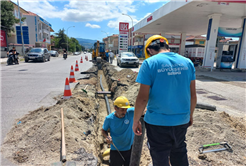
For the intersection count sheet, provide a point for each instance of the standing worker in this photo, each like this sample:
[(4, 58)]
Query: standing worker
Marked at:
[(120, 124), (107, 56), (111, 56), (167, 84)]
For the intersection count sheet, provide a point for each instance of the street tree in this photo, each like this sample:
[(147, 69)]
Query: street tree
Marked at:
[(7, 17), (61, 39)]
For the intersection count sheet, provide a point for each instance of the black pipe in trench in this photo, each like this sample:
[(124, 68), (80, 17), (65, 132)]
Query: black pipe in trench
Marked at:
[(105, 96)]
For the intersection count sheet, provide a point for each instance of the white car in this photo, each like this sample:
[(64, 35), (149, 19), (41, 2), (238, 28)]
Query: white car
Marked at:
[(127, 59)]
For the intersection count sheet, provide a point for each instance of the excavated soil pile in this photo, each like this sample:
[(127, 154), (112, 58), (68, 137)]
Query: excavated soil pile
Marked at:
[(36, 138), (209, 127), (121, 83)]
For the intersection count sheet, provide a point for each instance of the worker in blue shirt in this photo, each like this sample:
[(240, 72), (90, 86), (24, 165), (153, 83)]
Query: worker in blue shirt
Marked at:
[(107, 56), (121, 134), (167, 87)]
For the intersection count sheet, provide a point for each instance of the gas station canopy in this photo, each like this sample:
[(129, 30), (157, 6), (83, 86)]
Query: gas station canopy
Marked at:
[(191, 17)]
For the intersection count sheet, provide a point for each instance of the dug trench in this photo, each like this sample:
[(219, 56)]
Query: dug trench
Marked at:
[(35, 139)]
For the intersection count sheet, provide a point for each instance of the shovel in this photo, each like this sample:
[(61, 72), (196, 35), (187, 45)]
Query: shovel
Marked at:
[(63, 157), (84, 90)]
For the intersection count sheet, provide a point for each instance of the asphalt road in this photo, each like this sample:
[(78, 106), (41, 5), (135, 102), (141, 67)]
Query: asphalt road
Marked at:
[(28, 86)]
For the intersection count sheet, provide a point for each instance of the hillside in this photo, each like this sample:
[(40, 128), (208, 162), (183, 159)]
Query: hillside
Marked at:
[(87, 43)]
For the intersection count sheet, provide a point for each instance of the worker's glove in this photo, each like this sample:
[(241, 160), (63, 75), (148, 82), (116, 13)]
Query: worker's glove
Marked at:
[(109, 140)]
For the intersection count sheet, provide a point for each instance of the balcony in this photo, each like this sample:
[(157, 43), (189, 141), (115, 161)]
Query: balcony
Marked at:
[(138, 43), (46, 31)]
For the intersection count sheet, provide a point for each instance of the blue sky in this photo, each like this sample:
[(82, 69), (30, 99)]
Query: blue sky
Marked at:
[(90, 18)]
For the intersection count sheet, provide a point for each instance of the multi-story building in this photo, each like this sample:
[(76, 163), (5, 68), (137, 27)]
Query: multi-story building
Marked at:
[(39, 30), (36, 31), (112, 43), (15, 36), (200, 40), (139, 40)]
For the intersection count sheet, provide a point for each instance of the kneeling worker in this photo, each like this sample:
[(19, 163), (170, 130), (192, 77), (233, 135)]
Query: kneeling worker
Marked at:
[(120, 124)]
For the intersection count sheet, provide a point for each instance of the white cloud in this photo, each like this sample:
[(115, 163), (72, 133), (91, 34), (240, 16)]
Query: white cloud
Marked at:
[(152, 1), (92, 25), (155, 1), (41, 7), (84, 10), (122, 18)]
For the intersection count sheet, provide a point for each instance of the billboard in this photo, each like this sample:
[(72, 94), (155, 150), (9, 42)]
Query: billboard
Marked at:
[(123, 36), (3, 39)]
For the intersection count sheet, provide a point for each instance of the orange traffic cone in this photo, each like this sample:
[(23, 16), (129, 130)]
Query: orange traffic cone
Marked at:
[(72, 77), (81, 61), (67, 91), (76, 66)]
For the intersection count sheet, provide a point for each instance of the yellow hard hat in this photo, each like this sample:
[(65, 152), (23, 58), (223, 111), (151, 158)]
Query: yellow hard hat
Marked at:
[(122, 102), (149, 41)]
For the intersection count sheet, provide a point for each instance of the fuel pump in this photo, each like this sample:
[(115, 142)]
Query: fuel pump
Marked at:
[(226, 55)]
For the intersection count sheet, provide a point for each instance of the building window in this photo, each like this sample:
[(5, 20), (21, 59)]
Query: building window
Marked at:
[(201, 42)]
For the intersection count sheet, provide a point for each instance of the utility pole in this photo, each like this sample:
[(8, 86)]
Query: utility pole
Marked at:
[(107, 38), (68, 37), (22, 40), (131, 29)]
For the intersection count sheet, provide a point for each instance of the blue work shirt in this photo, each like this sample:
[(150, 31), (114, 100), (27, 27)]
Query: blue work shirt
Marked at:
[(169, 76), (120, 130), (107, 54)]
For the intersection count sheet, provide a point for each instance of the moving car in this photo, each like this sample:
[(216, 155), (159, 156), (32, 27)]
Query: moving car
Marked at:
[(54, 53), (38, 54), (127, 59), (76, 53)]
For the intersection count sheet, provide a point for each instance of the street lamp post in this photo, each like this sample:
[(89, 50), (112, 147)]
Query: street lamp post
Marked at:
[(67, 36), (131, 30), (22, 40), (107, 37)]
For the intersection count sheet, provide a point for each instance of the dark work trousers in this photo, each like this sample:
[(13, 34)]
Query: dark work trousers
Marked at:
[(167, 142), (116, 159)]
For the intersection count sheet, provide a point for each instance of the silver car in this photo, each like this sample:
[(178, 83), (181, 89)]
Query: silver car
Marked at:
[(53, 53), (38, 54), (127, 59)]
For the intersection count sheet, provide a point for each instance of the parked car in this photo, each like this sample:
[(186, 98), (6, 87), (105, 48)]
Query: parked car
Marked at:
[(38, 54), (54, 53), (127, 59)]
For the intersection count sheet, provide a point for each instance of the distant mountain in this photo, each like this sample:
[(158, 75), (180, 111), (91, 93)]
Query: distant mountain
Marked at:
[(87, 43)]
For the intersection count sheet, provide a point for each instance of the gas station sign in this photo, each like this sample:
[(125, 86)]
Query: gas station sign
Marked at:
[(123, 36)]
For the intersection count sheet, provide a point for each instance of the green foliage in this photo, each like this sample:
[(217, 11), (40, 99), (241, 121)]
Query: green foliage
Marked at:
[(7, 17), (60, 41)]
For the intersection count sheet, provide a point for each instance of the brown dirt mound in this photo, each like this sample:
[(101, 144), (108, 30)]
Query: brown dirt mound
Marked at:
[(237, 123), (37, 139)]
